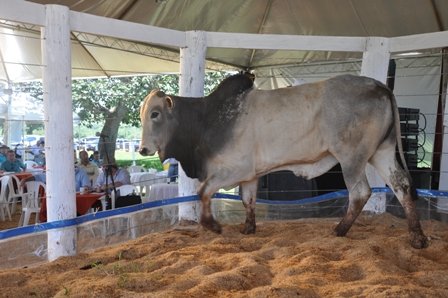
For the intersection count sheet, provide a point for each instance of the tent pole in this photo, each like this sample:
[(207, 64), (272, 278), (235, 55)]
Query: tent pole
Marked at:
[(440, 158), (192, 74), (58, 119), (375, 64)]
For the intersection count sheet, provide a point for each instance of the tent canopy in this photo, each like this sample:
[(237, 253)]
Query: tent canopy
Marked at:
[(103, 56)]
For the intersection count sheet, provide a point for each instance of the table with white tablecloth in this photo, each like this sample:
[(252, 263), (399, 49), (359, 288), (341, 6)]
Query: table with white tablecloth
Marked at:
[(162, 191), (136, 178), (143, 177), (143, 181)]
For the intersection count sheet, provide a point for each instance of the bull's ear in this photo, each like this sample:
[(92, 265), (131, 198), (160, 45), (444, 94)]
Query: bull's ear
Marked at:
[(160, 93), (169, 102)]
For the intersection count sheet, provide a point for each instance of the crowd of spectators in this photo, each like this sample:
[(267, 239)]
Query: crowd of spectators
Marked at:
[(15, 163), (90, 173), (9, 162)]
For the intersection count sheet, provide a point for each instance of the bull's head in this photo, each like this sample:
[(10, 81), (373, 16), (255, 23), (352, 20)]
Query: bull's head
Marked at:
[(155, 115)]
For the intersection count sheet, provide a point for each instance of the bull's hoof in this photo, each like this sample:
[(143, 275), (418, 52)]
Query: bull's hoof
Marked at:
[(340, 230), (187, 222), (211, 224), (419, 241), (248, 229)]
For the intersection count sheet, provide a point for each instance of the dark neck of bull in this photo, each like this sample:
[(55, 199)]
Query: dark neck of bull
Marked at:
[(184, 143), (205, 125)]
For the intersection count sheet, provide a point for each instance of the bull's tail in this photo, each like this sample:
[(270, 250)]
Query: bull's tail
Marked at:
[(396, 116), (398, 131), (413, 190)]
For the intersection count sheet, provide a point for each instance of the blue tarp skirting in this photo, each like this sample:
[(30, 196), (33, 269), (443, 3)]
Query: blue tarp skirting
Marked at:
[(93, 216)]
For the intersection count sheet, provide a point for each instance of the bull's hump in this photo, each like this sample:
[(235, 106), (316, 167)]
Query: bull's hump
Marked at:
[(231, 87)]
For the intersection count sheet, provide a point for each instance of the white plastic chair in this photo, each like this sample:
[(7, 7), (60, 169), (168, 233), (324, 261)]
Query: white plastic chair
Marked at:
[(136, 169), (122, 191), (31, 201), (144, 182), (30, 164), (28, 156), (15, 192), (4, 181)]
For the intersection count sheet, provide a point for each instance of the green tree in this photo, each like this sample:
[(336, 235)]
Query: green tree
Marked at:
[(115, 101), (110, 101)]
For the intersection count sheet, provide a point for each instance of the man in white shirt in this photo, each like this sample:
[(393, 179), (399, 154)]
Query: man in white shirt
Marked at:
[(120, 177), (89, 167)]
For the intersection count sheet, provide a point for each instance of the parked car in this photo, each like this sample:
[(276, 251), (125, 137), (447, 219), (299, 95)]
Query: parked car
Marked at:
[(31, 140), (134, 143), (120, 143), (90, 143)]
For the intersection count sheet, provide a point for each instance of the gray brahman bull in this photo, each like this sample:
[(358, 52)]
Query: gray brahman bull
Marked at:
[(237, 134)]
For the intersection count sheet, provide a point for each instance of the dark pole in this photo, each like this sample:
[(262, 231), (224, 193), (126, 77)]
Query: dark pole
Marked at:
[(108, 171), (439, 133)]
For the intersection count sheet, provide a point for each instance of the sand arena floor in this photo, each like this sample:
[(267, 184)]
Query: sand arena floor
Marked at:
[(300, 258)]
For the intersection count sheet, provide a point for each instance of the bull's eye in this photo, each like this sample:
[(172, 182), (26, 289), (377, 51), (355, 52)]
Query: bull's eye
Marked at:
[(154, 115)]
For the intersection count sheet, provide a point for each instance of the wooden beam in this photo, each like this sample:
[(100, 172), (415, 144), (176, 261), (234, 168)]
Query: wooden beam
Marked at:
[(92, 24), (419, 42), (285, 42), (23, 12)]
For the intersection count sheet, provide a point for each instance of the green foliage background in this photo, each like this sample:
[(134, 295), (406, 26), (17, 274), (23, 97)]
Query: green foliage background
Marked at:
[(94, 100), (91, 97)]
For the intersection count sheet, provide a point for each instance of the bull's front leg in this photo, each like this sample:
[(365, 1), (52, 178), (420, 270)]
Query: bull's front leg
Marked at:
[(249, 193), (207, 220)]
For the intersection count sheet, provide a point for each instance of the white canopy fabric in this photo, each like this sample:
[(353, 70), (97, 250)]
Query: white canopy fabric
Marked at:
[(20, 54), (22, 107)]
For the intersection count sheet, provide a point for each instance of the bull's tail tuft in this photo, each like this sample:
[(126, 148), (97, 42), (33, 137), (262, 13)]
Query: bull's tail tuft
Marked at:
[(413, 190)]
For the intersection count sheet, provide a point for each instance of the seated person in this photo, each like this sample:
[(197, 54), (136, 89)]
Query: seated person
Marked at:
[(38, 152), (95, 158), (35, 150), (81, 179), (11, 164), (3, 151), (88, 166), (120, 177), (40, 159), (19, 150)]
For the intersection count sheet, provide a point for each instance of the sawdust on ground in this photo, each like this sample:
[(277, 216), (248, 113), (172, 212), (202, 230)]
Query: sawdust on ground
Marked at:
[(283, 259)]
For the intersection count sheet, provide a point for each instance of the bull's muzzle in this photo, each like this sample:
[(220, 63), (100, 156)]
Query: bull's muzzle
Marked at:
[(144, 151)]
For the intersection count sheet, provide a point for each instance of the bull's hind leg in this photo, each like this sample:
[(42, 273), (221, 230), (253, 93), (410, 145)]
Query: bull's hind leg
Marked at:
[(359, 193), (399, 181), (249, 192)]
